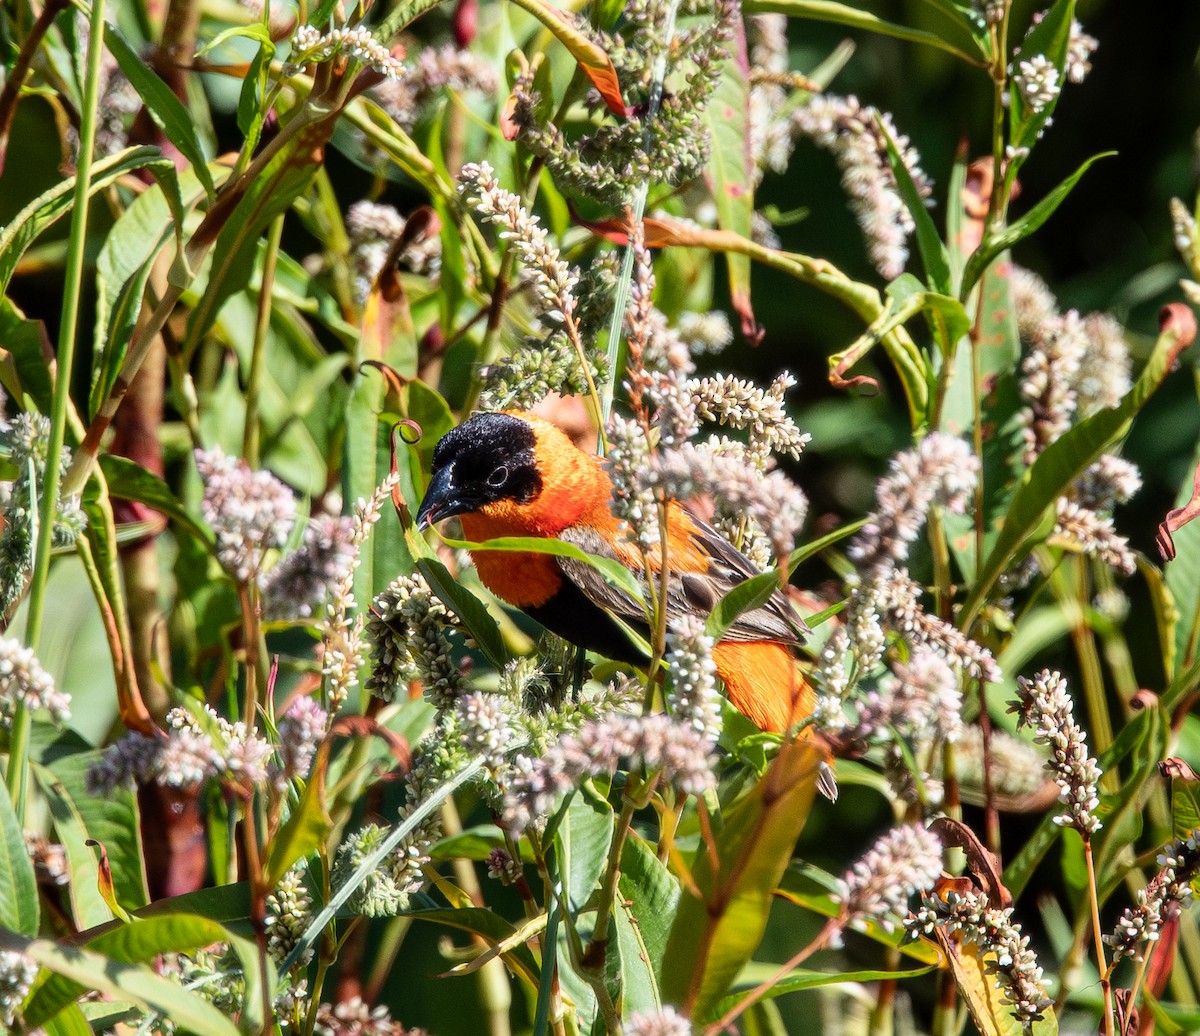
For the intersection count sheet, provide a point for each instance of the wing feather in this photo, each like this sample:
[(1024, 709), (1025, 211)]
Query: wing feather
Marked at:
[(688, 593)]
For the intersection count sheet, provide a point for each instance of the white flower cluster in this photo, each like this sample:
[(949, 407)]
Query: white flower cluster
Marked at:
[(1045, 705), (24, 681), (693, 697), (658, 742), (852, 133), (250, 512), (906, 860), (310, 44), (552, 277)]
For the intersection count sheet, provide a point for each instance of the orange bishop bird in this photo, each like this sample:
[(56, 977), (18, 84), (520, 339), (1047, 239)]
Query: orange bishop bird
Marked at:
[(513, 474)]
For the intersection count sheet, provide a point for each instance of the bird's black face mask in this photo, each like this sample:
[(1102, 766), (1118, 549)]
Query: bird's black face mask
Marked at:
[(487, 458)]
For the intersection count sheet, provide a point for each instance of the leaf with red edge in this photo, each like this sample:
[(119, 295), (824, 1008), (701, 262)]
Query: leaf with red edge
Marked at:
[(592, 59), (104, 882)]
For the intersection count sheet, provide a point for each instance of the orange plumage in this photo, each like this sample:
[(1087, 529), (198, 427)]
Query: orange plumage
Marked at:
[(517, 475)]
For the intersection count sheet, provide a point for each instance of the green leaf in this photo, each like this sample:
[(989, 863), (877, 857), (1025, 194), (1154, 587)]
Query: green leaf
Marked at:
[(113, 820), (1022, 228), (305, 831), (744, 597), (87, 904), (50, 206), (167, 110), (1030, 514), (855, 18), (716, 932), (808, 550), (490, 927), (934, 255), (128, 480), (123, 981), (1183, 579), (250, 207), (251, 114), (583, 840), (27, 377), (984, 998), (133, 943), (1049, 37), (480, 624), (799, 979), (70, 1021), (730, 170), (123, 268), (593, 60), (18, 886), (614, 573), (647, 904)]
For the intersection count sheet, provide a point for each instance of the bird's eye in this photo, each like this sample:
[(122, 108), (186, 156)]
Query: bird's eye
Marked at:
[(498, 477)]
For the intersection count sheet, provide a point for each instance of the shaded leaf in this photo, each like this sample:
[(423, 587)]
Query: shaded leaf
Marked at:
[(50, 206), (128, 480), (24, 371)]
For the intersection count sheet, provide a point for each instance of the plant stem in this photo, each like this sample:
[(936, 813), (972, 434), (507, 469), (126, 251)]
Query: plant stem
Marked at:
[(1109, 1026), (637, 209), (262, 325), (608, 888), (17, 775)]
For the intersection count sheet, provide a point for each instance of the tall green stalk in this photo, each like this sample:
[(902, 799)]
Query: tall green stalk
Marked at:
[(18, 761), (637, 208)]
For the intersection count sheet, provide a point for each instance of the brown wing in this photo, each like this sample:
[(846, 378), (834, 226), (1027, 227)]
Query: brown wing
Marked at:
[(688, 592)]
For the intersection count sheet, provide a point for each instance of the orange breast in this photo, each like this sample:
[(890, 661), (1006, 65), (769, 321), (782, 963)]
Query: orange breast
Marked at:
[(523, 580)]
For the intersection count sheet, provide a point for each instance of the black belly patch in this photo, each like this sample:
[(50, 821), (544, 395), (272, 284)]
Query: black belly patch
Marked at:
[(573, 616)]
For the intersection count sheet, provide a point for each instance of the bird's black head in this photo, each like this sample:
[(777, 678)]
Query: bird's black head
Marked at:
[(487, 458)]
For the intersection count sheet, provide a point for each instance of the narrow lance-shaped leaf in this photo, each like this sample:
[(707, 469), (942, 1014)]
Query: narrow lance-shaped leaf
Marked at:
[(1022, 228), (592, 58), (136, 982), (167, 110), (717, 930), (18, 886), (856, 18), (730, 172), (1068, 455)]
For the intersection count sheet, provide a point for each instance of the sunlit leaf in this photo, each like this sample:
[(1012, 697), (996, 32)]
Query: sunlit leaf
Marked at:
[(167, 110), (124, 981), (716, 932), (856, 18), (18, 887), (591, 57)]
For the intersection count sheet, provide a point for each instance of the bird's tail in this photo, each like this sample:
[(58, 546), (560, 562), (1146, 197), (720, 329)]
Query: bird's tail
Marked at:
[(765, 683)]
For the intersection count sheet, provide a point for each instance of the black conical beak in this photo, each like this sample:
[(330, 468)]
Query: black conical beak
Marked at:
[(441, 499)]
